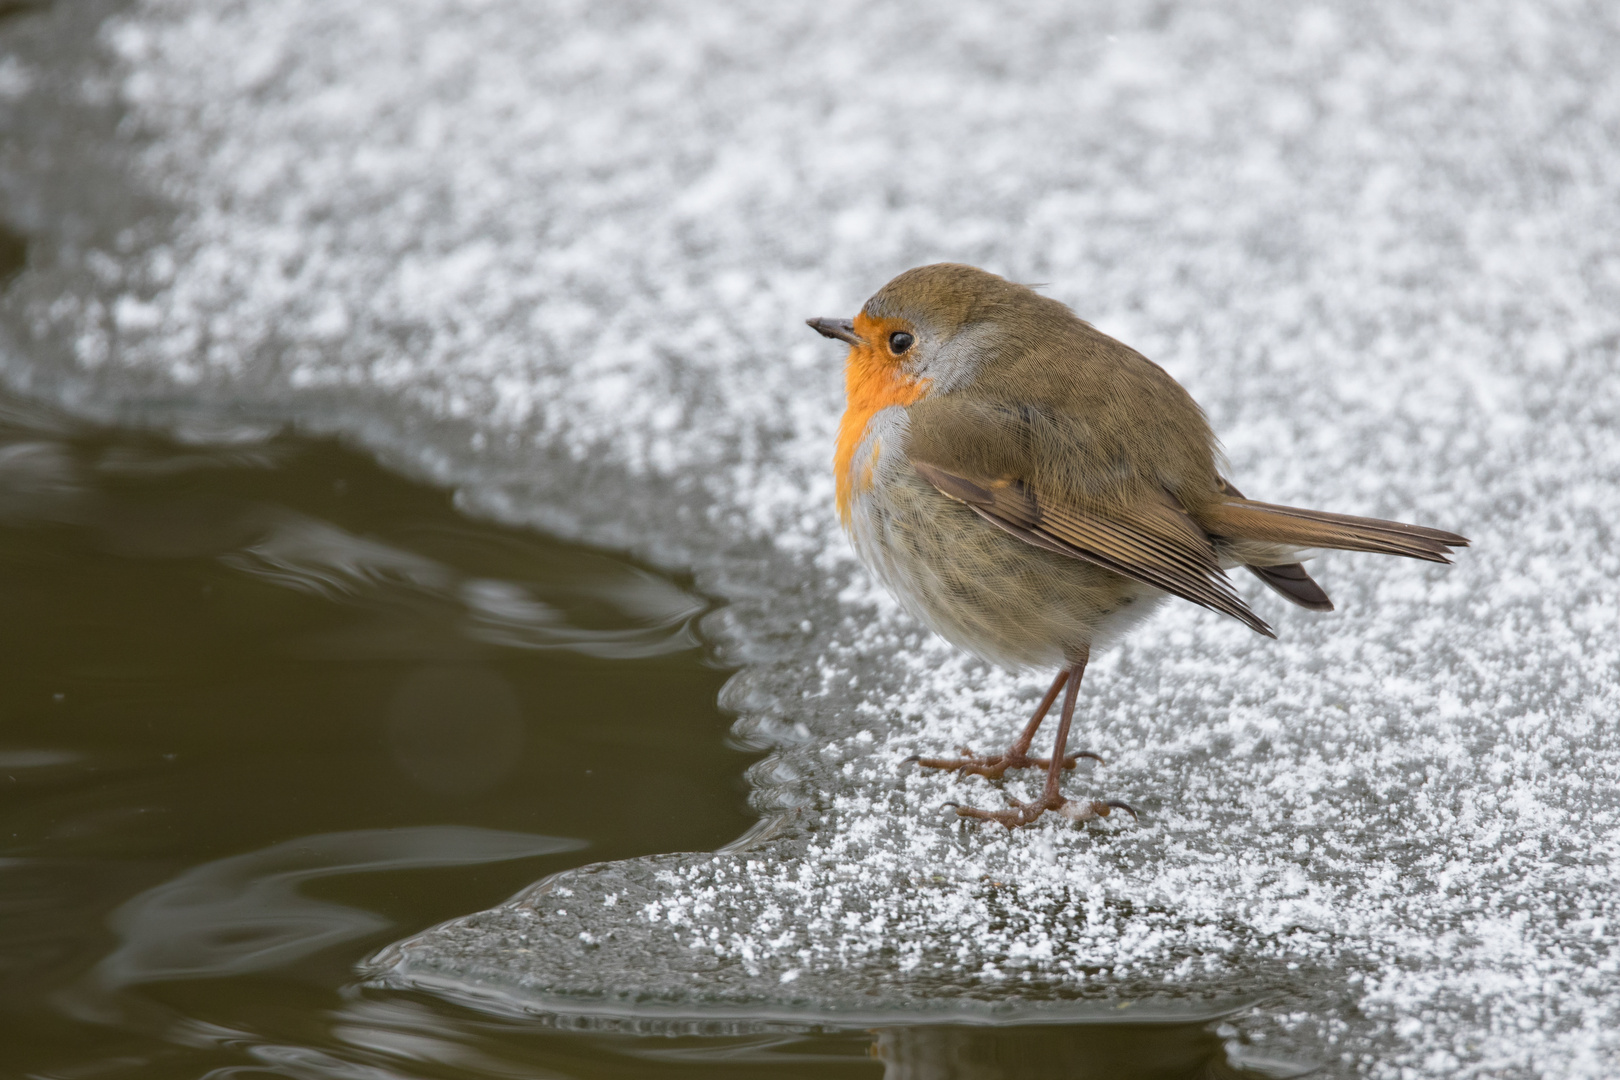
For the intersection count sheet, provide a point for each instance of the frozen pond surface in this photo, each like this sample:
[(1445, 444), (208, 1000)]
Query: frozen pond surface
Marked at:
[(560, 258)]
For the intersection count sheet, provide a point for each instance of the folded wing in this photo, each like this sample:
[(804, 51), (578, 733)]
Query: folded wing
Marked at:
[(1152, 540)]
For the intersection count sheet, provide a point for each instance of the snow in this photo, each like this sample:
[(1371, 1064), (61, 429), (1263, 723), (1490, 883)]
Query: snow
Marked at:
[(559, 257)]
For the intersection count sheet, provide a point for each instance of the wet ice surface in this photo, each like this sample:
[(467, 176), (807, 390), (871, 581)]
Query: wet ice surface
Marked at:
[(559, 258)]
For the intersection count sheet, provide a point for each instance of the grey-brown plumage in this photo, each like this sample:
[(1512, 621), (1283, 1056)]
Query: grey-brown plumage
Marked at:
[(1029, 486), (1290, 581)]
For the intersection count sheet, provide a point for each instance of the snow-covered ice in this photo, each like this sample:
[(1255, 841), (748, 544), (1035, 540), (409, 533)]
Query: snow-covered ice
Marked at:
[(559, 256)]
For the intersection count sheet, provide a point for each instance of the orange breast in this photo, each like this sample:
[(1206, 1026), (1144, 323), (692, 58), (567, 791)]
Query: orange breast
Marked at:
[(873, 381)]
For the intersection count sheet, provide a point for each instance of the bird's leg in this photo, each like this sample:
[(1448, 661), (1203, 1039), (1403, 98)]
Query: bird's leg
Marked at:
[(1051, 798), (1017, 755)]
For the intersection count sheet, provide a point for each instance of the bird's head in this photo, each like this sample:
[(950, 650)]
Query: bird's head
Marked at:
[(933, 328)]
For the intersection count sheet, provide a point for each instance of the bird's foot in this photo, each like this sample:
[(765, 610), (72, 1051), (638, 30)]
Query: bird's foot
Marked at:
[(970, 764), (1022, 813)]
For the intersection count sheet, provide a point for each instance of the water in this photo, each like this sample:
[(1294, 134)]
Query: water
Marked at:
[(269, 707)]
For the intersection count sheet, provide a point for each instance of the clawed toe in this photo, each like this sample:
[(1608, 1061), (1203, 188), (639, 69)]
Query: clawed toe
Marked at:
[(1017, 757), (1022, 813), (1014, 816), (1081, 812)]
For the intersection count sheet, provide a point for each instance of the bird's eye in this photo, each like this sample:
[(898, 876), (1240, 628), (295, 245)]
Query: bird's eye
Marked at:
[(899, 342)]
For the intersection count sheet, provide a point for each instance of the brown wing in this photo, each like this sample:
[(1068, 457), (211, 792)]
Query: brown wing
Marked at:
[(1152, 541)]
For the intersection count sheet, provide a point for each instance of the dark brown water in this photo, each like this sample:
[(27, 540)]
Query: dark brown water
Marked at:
[(267, 707)]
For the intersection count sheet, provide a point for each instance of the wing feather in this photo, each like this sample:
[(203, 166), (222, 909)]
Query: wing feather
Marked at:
[(1152, 541)]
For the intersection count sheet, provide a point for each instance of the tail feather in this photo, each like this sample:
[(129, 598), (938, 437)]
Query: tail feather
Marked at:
[(1244, 519), (1294, 584)]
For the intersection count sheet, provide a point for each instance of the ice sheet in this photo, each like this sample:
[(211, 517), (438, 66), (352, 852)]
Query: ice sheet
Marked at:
[(559, 256)]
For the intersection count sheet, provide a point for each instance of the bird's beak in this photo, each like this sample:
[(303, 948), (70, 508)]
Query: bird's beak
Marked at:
[(842, 329)]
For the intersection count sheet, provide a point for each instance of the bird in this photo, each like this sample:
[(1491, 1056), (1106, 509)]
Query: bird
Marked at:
[(1031, 488)]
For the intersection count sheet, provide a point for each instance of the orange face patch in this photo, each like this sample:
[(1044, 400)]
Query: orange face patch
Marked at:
[(873, 381)]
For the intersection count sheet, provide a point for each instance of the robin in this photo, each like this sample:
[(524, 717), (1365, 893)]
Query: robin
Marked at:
[(1029, 488)]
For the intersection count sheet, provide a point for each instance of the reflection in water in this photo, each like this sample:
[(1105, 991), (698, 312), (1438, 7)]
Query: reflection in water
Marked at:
[(423, 1038), (1074, 1052), (321, 559), (246, 914), (268, 707), (326, 561)]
